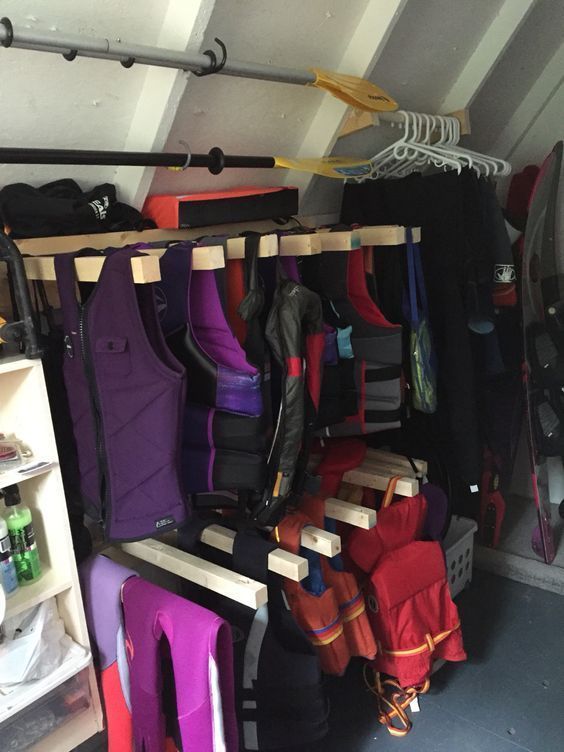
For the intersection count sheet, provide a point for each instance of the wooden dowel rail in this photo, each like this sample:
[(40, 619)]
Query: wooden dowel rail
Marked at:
[(199, 571), (321, 541), (352, 514), (279, 561), (386, 235)]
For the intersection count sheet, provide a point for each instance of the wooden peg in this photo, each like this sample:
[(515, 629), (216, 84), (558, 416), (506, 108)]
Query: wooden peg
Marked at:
[(386, 235), (373, 476), (357, 120), (343, 240), (207, 258), (352, 514), (307, 244), (145, 268), (320, 541), (282, 562), (396, 460), (204, 258), (199, 571), (268, 246)]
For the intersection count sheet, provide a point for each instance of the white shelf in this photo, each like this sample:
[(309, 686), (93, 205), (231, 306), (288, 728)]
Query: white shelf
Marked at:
[(10, 477), (16, 363), (50, 583), (24, 409), (78, 729), (29, 692)]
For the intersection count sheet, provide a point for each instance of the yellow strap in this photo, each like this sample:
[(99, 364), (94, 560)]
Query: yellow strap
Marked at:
[(390, 490), (429, 645)]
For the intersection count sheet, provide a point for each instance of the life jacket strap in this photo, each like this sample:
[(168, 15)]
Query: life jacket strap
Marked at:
[(431, 641), (393, 700)]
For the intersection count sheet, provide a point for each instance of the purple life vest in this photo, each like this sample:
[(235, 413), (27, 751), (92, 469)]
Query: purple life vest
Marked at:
[(224, 437), (126, 394)]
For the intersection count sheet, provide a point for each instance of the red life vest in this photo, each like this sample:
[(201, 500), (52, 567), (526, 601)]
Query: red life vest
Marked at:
[(339, 456), (409, 604), (317, 613)]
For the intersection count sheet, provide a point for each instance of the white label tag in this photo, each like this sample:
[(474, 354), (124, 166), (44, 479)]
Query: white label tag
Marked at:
[(474, 489), (414, 705)]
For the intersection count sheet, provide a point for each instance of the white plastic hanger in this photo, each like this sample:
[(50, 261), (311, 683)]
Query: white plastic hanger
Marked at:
[(415, 150)]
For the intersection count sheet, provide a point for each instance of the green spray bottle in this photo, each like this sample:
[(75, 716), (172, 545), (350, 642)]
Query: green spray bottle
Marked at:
[(22, 536)]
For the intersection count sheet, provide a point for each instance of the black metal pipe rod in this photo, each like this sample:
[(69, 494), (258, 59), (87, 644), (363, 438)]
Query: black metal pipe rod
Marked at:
[(16, 155), (10, 253)]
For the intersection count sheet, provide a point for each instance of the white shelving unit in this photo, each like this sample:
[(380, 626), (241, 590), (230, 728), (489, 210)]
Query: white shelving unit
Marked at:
[(24, 410)]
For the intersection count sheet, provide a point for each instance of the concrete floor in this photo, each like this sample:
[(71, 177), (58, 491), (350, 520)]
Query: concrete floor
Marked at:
[(515, 557), (508, 696)]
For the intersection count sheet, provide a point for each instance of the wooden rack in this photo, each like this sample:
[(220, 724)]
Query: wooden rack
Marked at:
[(145, 269), (378, 466)]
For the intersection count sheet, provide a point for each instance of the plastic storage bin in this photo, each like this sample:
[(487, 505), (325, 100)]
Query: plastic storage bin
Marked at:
[(459, 549), (64, 703)]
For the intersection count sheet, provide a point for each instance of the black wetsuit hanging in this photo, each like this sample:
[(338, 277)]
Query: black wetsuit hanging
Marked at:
[(279, 694)]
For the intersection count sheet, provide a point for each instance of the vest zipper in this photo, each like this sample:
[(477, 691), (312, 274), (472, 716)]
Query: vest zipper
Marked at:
[(96, 411)]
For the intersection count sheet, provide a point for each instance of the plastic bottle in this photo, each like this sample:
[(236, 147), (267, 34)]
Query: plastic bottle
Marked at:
[(22, 537), (8, 576)]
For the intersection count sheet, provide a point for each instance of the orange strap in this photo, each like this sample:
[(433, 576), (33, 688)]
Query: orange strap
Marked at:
[(390, 490), (429, 645), (393, 701)]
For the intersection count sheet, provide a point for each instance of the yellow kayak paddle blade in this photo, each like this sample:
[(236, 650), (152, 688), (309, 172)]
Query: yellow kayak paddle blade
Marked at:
[(329, 167), (355, 91)]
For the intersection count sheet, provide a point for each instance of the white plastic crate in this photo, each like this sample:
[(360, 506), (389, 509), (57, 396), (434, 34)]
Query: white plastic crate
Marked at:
[(459, 548)]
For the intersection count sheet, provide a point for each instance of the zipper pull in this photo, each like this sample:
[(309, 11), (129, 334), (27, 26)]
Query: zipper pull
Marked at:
[(69, 347)]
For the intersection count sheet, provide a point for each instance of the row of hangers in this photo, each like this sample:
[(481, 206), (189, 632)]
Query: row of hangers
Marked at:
[(431, 140), (376, 470)]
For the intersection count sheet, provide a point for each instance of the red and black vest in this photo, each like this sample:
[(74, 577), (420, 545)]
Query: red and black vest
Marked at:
[(370, 366)]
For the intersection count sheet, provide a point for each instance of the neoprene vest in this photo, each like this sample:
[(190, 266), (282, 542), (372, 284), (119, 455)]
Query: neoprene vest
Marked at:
[(224, 437), (126, 393), (201, 655), (101, 580), (278, 687), (366, 336)]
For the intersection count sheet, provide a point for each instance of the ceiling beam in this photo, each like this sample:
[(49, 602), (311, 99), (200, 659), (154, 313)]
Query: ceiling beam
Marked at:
[(361, 55), (485, 56), (183, 28), (532, 106)]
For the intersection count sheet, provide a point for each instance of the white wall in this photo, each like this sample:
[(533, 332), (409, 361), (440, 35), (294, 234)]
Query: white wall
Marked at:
[(92, 104), (86, 104)]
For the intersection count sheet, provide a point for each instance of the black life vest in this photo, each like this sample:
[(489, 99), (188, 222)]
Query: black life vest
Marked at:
[(224, 438)]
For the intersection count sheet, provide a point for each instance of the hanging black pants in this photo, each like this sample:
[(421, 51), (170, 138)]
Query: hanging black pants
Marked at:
[(458, 276)]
